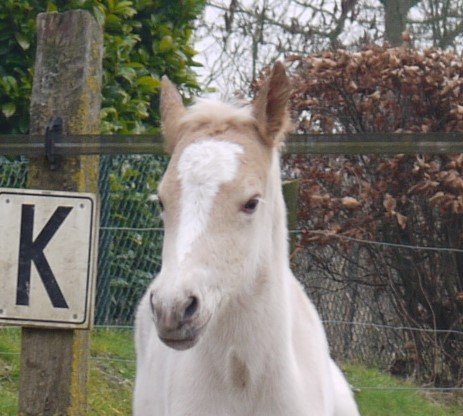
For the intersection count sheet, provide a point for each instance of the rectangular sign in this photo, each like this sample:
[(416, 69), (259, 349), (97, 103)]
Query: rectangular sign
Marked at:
[(48, 252)]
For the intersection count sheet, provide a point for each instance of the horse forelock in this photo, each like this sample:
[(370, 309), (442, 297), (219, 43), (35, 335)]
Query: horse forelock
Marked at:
[(218, 114)]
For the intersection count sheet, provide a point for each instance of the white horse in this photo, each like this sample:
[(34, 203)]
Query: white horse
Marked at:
[(225, 329)]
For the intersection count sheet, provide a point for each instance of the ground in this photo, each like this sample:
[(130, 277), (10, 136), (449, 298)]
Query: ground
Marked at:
[(113, 369)]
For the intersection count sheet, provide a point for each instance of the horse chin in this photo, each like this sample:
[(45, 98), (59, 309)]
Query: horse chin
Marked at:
[(180, 344), (183, 339)]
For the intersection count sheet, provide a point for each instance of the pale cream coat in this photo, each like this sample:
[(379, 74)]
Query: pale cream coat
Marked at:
[(251, 343)]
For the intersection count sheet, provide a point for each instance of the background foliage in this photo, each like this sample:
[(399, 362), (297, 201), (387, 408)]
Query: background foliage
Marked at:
[(144, 39), (407, 200)]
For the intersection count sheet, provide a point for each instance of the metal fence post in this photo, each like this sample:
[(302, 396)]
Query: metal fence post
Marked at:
[(291, 195), (103, 300), (67, 84)]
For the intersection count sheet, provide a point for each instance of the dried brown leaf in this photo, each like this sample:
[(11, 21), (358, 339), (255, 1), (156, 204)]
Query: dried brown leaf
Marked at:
[(350, 202)]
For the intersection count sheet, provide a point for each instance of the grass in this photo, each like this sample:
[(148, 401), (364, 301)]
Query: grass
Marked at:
[(113, 369), (380, 395), (9, 370), (112, 372)]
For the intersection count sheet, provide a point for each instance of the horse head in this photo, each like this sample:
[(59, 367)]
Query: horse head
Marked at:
[(218, 205)]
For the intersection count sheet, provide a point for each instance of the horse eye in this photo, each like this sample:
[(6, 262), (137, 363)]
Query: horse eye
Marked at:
[(161, 205), (250, 206)]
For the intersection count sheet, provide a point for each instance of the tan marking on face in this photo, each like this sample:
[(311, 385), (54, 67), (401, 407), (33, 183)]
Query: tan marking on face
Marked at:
[(239, 372)]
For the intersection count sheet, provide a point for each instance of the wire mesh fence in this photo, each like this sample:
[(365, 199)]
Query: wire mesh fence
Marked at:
[(363, 324), (13, 172), (130, 234)]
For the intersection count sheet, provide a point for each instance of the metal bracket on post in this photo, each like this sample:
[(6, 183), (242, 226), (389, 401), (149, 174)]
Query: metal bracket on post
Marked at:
[(53, 135)]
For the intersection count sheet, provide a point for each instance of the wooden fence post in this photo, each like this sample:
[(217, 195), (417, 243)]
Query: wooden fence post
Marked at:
[(67, 83)]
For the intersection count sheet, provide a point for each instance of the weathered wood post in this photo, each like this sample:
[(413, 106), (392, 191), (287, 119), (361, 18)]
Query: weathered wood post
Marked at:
[(67, 83)]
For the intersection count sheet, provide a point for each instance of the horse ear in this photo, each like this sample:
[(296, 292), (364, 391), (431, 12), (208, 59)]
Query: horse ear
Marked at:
[(271, 105), (172, 109)]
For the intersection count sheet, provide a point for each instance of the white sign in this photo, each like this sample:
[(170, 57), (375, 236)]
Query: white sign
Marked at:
[(48, 249)]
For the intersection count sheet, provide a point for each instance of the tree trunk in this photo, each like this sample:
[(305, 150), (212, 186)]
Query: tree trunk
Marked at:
[(395, 19)]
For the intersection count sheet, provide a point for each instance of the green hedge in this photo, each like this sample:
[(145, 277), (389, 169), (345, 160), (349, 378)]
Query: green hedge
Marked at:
[(144, 39)]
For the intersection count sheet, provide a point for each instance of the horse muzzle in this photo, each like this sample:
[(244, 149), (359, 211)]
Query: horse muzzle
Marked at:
[(179, 324)]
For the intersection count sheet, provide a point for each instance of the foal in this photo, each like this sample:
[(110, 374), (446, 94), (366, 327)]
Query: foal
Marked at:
[(225, 329)]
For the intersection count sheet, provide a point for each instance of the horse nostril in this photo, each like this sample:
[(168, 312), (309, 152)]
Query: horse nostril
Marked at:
[(191, 307)]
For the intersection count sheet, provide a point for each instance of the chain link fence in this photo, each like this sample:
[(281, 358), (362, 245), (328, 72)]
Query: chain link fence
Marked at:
[(13, 172), (363, 326), (130, 233)]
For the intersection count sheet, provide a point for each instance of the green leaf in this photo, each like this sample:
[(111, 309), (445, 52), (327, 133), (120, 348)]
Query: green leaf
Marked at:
[(119, 283), (113, 22), (181, 55), (195, 63), (51, 7), (135, 65), (127, 73), (99, 14), (8, 109), (123, 8), (9, 83), (166, 44), (148, 83), (190, 51), (107, 112), (22, 40)]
